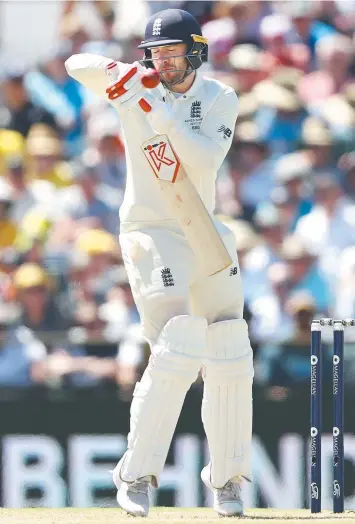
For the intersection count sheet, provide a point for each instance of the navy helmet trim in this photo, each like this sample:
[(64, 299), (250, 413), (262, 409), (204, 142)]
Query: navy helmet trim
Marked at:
[(159, 42)]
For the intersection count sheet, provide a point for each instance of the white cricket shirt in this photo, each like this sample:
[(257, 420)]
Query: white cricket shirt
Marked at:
[(201, 134)]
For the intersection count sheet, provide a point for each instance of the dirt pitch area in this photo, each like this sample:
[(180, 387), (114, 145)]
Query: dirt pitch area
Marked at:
[(169, 515)]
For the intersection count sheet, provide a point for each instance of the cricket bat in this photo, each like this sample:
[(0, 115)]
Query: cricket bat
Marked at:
[(186, 204), (183, 198)]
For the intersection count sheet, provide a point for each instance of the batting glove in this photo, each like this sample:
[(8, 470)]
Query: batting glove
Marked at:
[(127, 91)]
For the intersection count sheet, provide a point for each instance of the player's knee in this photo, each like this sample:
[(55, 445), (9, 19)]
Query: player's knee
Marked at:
[(180, 347), (229, 354)]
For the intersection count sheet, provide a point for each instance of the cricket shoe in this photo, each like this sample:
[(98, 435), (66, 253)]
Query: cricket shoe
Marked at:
[(133, 497), (227, 501)]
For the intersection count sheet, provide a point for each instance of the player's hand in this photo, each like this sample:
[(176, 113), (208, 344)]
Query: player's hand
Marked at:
[(127, 91)]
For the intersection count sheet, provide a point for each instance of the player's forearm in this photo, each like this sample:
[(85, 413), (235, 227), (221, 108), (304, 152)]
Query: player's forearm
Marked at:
[(89, 70), (194, 150)]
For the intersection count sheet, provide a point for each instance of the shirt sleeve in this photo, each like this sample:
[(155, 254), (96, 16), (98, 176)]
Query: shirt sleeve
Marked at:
[(89, 70), (208, 148)]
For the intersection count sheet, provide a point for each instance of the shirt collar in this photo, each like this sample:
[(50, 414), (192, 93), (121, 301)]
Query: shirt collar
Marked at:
[(195, 86)]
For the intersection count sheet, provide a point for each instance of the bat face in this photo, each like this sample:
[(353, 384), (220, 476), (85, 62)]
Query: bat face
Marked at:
[(187, 206), (162, 158)]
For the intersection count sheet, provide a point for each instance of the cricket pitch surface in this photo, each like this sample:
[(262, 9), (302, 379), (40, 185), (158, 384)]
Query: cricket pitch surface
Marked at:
[(169, 515)]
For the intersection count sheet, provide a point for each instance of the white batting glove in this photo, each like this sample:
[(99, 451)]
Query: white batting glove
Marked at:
[(126, 90)]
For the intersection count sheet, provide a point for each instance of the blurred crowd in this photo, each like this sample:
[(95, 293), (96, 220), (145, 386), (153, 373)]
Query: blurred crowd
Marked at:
[(286, 189)]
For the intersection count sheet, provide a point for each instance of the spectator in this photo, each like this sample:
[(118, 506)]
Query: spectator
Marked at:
[(280, 116), (287, 77), (38, 308), (306, 28), (107, 152), (52, 89), (319, 147), (304, 273), (82, 202), (26, 195), (20, 352), (221, 35), (248, 106), (12, 144), (334, 54), (119, 310), (339, 116), (246, 15), (258, 260), (108, 19), (330, 226), (8, 230), (45, 157), (292, 173), (92, 325), (347, 163), (288, 363), (345, 284), (246, 239), (32, 238), (20, 112), (79, 368), (274, 31), (242, 174), (254, 165), (72, 30), (270, 319), (245, 236), (248, 66), (132, 358), (303, 308), (102, 256)]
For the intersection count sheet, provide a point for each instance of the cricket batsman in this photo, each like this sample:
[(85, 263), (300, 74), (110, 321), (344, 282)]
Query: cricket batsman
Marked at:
[(193, 323)]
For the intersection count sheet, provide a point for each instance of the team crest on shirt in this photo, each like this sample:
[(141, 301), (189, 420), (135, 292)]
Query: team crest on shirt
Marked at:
[(195, 109), (195, 115)]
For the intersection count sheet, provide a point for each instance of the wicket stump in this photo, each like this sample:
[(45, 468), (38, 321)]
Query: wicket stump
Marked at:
[(338, 412)]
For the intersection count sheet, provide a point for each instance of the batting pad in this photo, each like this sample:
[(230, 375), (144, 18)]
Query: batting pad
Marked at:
[(227, 400), (158, 398)]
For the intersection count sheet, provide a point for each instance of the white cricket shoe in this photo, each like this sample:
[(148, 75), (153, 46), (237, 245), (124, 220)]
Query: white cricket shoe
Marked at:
[(227, 500), (133, 497)]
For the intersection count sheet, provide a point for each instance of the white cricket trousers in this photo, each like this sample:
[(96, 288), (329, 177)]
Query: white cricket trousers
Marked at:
[(192, 324), (166, 283)]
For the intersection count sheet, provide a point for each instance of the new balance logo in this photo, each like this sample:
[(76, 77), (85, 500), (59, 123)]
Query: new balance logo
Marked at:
[(167, 277), (157, 26), (196, 109), (233, 271), (227, 133)]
